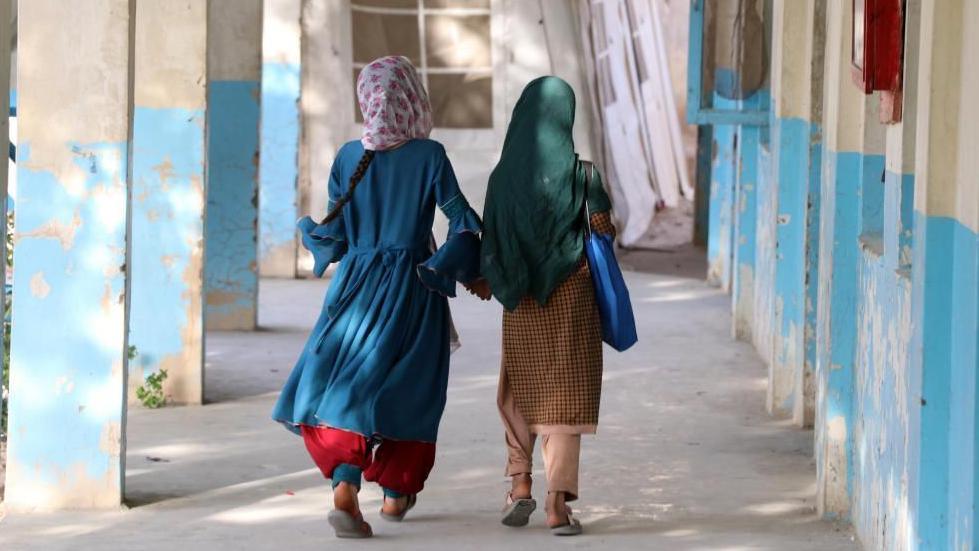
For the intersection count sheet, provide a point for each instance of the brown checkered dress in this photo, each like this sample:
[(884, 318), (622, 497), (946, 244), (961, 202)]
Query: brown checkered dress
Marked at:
[(552, 355)]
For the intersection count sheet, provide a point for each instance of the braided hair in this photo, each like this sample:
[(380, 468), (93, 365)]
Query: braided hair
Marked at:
[(358, 175)]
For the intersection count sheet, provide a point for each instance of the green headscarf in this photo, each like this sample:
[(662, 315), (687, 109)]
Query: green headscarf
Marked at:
[(533, 219)]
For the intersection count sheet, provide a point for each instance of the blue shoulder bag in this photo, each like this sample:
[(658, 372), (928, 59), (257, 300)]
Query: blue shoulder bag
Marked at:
[(611, 293)]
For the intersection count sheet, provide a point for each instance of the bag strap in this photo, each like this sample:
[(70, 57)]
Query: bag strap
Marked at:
[(589, 168)]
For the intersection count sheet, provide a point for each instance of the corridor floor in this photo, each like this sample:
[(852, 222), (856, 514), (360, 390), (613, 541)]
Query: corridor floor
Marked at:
[(685, 457)]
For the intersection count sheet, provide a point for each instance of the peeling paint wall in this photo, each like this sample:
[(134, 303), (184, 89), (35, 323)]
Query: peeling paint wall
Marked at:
[(280, 134), (866, 270), (167, 247), (68, 363), (233, 96)]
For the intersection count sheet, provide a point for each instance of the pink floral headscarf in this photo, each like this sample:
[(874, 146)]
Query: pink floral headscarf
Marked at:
[(394, 103)]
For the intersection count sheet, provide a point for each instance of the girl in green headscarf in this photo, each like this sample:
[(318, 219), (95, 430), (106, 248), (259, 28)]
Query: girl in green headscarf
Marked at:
[(533, 259)]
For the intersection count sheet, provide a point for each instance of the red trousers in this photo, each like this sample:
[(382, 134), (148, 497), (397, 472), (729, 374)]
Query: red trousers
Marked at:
[(399, 465)]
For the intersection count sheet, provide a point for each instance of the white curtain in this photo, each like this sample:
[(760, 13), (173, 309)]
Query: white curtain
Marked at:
[(627, 64)]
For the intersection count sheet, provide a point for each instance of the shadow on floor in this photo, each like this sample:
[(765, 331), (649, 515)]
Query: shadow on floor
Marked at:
[(686, 261)]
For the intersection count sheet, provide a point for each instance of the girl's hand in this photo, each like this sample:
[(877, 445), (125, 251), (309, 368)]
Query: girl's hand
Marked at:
[(480, 288)]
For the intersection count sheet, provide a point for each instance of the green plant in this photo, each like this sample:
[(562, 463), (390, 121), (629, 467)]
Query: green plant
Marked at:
[(151, 392)]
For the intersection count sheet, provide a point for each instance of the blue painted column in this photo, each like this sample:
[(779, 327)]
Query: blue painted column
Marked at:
[(231, 227), (945, 282), (280, 134), (790, 138), (839, 252), (836, 330), (68, 361), (746, 220), (720, 234), (167, 251), (705, 149)]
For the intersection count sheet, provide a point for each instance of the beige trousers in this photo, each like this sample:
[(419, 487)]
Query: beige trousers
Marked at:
[(561, 450)]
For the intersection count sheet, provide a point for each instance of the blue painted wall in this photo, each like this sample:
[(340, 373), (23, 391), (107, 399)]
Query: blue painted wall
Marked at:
[(279, 169), (883, 397), (67, 381), (166, 313), (231, 249)]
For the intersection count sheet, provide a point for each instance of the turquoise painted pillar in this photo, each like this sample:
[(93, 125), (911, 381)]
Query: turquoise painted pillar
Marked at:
[(166, 313), (839, 251), (720, 233), (280, 136), (66, 448), (797, 85), (234, 71), (705, 148), (746, 220), (836, 330), (790, 137), (945, 281), (763, 328)]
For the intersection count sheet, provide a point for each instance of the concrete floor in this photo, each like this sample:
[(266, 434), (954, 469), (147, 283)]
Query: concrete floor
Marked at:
[(685, 457)]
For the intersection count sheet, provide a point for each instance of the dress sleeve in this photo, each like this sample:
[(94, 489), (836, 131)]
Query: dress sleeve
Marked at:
[(458, 258), (327, 242)]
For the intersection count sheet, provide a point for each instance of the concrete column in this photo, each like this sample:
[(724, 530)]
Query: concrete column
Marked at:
[(326, 60), (804, 413), (280, 135), (68, 351), (746, 221), (720, 233), (166, 313), (839, 250), (794, 141), (234, 70), (945, 280), (705, 139)]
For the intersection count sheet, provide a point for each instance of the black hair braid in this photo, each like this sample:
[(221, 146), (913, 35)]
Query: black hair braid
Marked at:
[(355, 179)]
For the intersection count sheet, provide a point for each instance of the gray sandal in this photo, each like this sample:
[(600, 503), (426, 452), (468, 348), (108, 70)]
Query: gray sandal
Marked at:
[(412, 500), (572, 528), (517, 511), (348, 526)]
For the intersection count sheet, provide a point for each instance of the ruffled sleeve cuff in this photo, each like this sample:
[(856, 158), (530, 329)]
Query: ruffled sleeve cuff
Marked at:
[(327, 242), (458, 258)]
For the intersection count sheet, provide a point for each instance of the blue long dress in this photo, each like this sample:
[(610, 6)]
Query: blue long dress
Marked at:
[(377, 361)]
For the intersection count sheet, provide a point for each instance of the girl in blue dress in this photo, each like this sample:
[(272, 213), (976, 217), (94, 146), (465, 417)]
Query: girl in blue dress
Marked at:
[(368, 390)]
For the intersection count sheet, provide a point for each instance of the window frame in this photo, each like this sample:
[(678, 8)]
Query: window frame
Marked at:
[(493, 70)]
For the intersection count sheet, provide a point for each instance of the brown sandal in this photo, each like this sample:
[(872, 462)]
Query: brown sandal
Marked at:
[(517, 511), (346, 525)]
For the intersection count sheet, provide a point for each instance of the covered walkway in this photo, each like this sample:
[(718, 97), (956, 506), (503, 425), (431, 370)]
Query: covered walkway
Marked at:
[(685, 458)]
